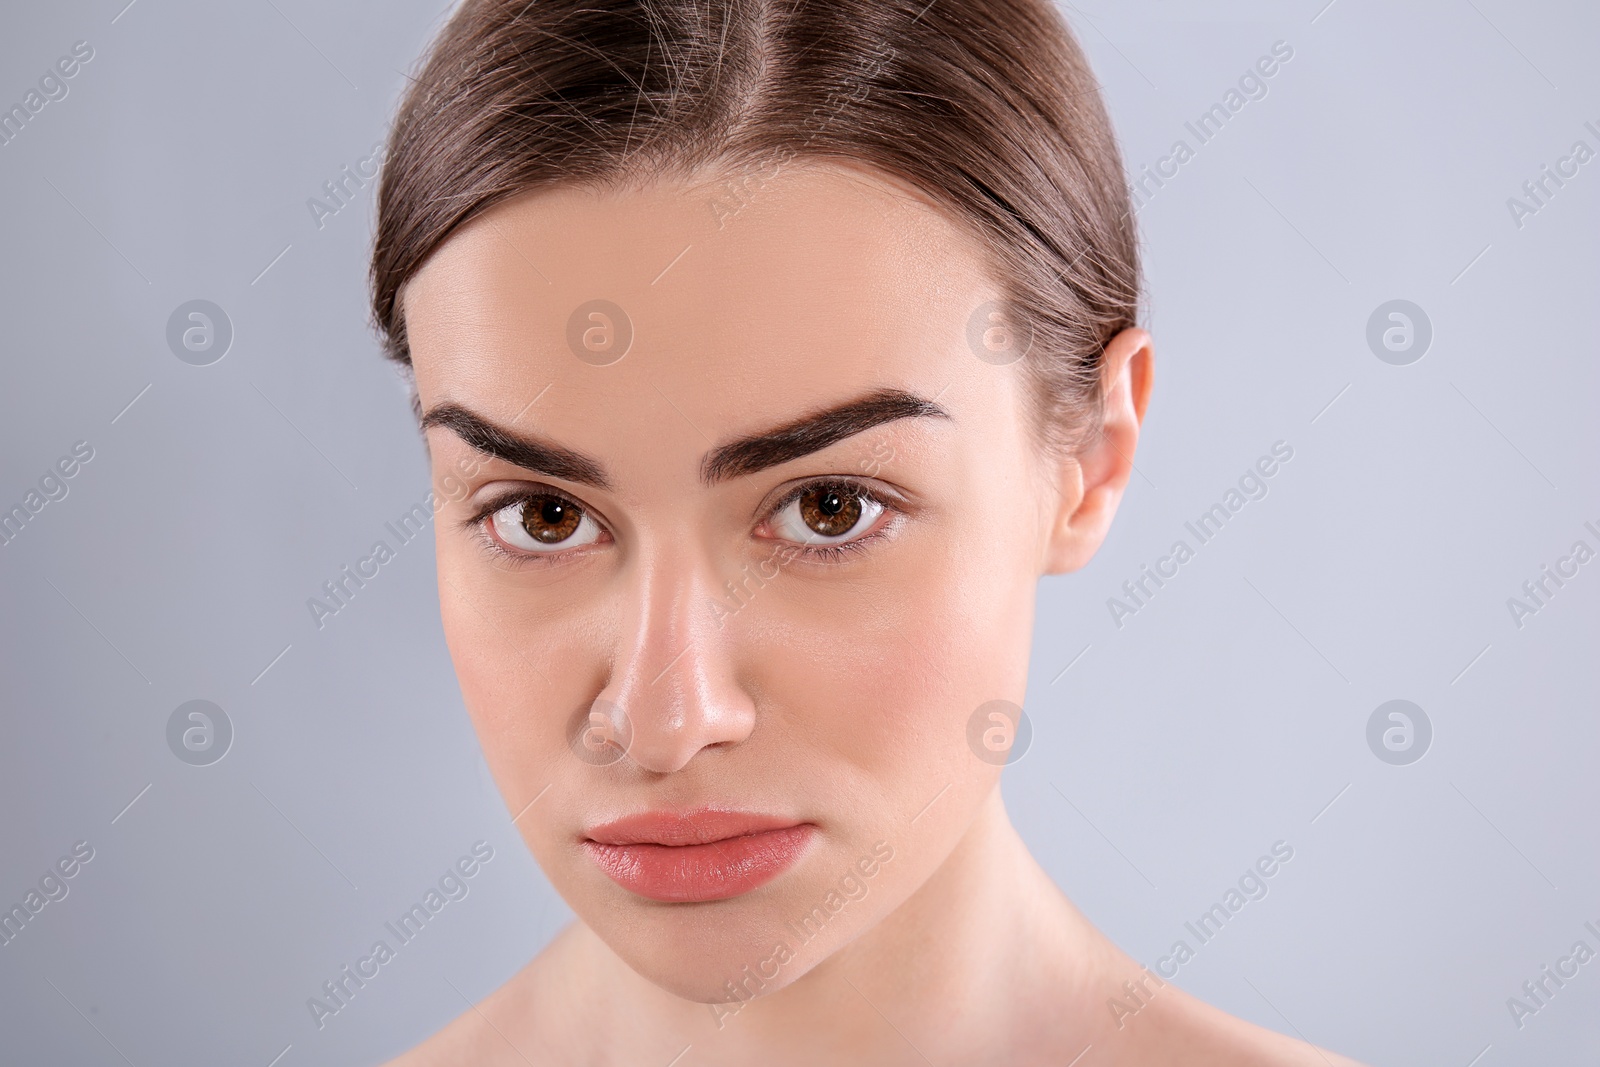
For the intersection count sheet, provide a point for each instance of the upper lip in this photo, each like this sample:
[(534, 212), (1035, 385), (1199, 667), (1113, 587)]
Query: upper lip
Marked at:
[(698, 827)]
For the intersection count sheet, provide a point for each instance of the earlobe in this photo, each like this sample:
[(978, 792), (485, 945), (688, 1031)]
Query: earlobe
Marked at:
[(1090, 484)]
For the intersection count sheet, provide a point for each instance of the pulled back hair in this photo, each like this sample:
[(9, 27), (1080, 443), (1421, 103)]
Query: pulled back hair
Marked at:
[(987, 106)]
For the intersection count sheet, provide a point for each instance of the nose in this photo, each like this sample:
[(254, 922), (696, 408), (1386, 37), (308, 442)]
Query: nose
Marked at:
[(673, 673)]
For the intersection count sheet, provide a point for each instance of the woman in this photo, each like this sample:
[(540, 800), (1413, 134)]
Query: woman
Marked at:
[(789, 344)]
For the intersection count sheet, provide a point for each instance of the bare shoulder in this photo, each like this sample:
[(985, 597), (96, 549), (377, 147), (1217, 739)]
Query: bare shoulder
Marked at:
[(1192, 1032), (508, 1027)]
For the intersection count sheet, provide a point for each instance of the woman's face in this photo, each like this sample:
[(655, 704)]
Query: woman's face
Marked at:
[(724, 608)]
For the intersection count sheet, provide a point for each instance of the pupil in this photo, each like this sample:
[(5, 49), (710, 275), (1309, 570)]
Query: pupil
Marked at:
[(830, 513), (550, 519)]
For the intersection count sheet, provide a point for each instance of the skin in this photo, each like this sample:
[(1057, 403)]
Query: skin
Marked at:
[(839, 691)]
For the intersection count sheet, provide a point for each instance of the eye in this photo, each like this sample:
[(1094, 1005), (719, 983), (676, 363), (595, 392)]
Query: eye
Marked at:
[(543, 523), (826, 514)]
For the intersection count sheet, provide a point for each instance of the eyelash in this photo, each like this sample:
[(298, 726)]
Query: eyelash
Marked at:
[(478, 526), (838, 553), (825, 554)]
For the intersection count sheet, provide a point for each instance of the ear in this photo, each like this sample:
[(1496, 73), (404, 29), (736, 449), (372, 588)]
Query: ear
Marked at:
[(1090, 484)]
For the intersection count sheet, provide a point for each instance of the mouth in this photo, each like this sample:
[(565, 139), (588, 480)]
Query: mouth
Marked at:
[(696, 856)]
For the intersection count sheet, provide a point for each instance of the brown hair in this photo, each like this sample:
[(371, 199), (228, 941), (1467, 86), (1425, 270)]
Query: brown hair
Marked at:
[(987, 106)]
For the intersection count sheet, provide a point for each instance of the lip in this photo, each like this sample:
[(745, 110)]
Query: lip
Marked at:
[(695, 856)]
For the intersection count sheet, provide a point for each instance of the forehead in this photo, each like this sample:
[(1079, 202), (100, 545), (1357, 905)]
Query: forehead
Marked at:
[(740, 300)]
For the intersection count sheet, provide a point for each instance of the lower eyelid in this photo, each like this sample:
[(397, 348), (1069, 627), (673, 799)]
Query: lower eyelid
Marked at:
[(859, 544), (487, 542)]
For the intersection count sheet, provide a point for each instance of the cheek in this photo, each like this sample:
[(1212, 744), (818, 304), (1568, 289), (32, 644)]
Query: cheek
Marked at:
[(881, 673), (502, 665)]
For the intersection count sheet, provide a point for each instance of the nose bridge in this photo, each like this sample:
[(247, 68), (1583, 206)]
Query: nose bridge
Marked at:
[(673, 670)]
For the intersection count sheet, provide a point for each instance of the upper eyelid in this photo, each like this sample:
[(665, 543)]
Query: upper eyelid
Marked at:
[(858, 485), (527, 491)]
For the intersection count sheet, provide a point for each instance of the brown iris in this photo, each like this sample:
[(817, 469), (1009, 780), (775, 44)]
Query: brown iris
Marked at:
[(829, 511), (550, 519)]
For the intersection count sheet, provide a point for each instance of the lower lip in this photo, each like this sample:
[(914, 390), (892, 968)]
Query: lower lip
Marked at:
[(692, 873)]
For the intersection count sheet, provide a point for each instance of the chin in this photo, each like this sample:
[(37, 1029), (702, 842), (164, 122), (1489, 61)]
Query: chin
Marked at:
[(731, 950)]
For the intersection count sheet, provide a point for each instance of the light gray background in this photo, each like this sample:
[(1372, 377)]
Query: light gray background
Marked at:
[(1225, 716)]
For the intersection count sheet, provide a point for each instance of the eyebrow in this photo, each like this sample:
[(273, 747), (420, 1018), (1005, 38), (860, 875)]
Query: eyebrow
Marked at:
[(806, 434), (530, 453), (813, 432)]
